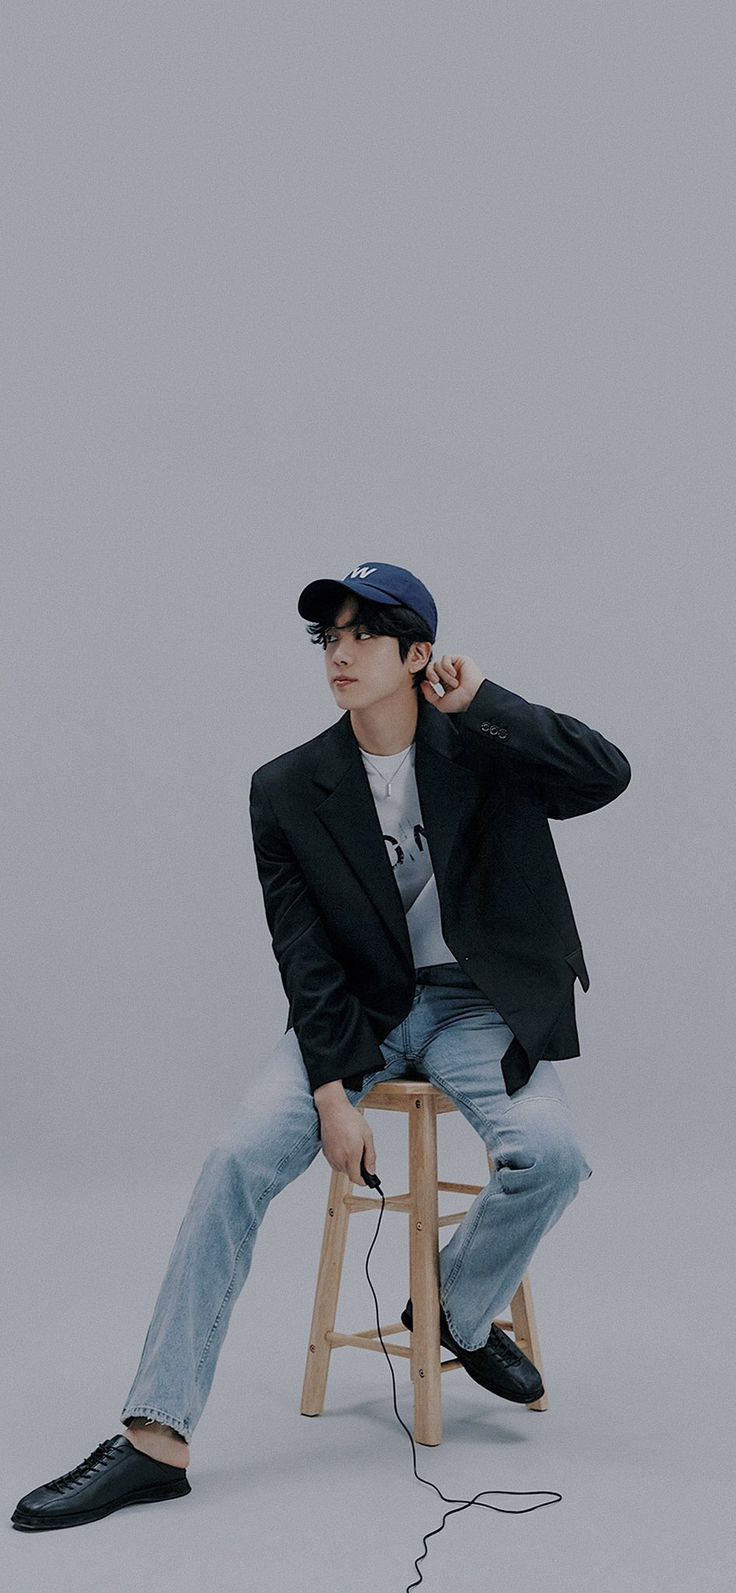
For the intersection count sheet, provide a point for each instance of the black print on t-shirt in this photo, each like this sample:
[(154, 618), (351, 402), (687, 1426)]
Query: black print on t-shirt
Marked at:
[(419, 831)]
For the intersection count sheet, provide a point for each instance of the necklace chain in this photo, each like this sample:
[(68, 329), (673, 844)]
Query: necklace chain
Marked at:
[(380, 773)]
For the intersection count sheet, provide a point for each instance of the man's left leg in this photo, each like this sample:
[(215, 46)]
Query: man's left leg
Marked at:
[(539, 1162)]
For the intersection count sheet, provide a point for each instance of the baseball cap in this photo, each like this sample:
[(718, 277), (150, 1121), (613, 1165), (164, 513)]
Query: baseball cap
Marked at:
[(377, 583)]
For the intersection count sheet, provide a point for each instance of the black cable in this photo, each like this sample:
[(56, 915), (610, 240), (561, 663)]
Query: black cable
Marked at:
[(463, 1504)]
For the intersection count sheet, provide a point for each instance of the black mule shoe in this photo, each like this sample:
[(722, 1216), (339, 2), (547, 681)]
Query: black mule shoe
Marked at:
[(498, 1365), (114, 1475)]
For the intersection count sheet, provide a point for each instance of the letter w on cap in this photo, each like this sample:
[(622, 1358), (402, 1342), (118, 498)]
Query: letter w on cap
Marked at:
[(363, 570)]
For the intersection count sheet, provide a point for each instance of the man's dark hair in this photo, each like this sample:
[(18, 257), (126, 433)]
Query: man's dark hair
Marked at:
[(381, 619)]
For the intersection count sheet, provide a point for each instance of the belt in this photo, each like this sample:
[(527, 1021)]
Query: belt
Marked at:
[(443, 973)]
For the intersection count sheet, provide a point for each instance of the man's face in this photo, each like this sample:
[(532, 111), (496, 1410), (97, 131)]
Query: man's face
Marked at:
[(374, 663)]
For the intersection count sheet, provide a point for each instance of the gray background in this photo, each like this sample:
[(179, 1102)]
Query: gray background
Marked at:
[(289, 287)]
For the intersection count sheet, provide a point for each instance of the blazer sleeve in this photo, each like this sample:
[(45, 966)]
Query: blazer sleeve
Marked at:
[(334, 1034), (560, 764)]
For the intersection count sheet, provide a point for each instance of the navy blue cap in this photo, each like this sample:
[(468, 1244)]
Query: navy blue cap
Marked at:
[(378, 583)]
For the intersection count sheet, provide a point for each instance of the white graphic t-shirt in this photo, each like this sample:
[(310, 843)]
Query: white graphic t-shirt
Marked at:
[(406, 843)]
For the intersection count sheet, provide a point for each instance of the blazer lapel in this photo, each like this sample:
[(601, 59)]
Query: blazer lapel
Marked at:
[(448, 790)]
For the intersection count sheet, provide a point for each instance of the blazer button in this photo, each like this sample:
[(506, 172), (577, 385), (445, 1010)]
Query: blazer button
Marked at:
[(485, 725), (502, 734)]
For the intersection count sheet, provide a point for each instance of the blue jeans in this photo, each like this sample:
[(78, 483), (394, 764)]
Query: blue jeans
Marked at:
[(456, 1039)]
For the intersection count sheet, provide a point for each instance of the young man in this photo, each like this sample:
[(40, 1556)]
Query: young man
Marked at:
[(421, 923)]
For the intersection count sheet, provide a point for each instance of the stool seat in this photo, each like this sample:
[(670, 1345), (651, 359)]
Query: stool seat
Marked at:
[(423, 1103)]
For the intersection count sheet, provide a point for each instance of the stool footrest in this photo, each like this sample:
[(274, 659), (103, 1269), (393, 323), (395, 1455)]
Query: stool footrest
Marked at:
[(369, 1340), (403, 1202), (357, 1203)]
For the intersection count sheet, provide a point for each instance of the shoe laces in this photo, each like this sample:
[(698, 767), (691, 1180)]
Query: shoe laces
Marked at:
[(504, 1347), (85, 1468)]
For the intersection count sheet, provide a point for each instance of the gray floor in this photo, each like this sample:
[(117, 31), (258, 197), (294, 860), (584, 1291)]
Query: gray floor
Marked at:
[(635, 1333)]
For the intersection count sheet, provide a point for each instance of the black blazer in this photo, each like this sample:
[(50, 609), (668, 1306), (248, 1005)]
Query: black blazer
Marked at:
[(488, 780)]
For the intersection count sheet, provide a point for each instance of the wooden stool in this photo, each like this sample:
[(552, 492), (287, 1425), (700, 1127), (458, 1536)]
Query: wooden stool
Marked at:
[(422, 1102)]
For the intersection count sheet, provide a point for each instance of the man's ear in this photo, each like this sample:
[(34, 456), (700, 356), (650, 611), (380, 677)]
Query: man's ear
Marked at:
[(426, 658)]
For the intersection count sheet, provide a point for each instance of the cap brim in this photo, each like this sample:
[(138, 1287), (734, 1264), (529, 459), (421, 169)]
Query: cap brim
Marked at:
[(312, 599), (314, 596)]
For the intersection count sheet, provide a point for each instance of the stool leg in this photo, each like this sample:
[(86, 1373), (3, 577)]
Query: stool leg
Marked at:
[(524, 1323), (525, 1333), (425, 1273), (331, 1259)]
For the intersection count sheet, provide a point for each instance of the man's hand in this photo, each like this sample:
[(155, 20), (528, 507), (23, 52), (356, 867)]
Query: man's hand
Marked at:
[(345, 1136), (460, 677)]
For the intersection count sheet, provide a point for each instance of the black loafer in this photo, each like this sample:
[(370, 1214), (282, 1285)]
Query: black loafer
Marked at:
[(498, 1365), (114, 1475)]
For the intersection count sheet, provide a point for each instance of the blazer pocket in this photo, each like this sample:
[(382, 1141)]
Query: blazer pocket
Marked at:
[(577, 962)]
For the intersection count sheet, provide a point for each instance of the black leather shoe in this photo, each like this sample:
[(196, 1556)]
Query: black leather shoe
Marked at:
[(115, 1474), (498, 1365)]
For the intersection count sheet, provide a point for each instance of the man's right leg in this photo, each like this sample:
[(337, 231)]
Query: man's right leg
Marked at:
[(272, 1138)]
